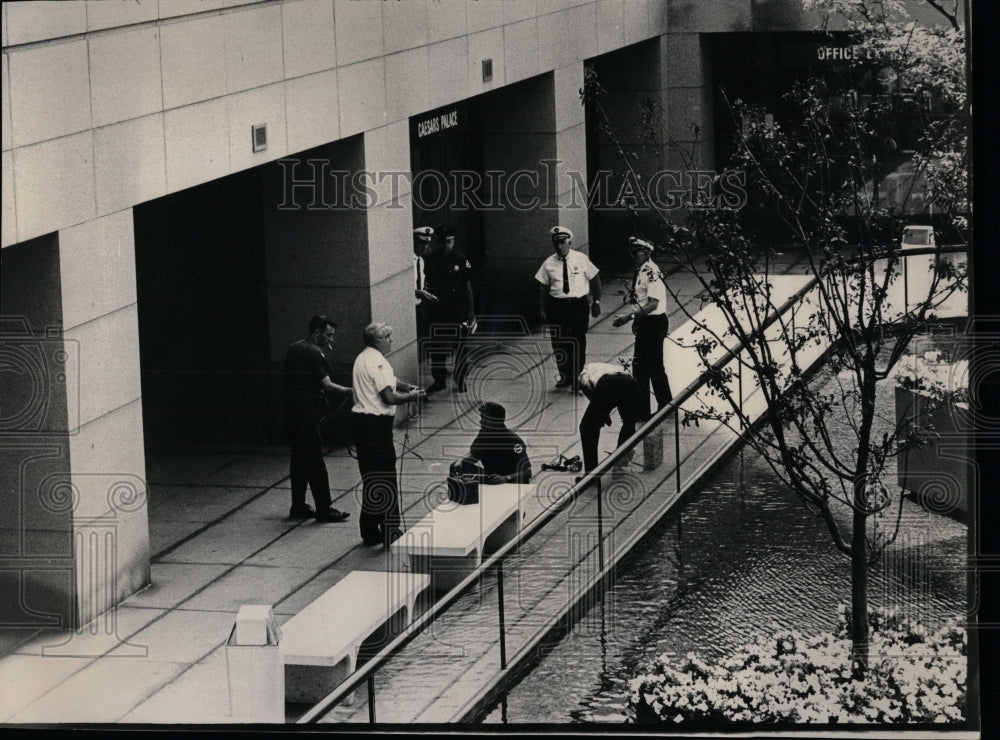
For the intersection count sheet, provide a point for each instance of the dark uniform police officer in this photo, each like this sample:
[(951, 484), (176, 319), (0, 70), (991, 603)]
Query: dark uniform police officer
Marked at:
[(449, 279)]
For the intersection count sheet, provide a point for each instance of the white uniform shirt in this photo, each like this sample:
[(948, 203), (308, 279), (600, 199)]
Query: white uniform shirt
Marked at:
[(649, 284), (594, 371), (581, 272), (372, 373), (419, 276)]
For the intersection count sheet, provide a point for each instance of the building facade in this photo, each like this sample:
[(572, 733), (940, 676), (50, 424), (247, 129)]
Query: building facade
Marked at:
[(186, 182)]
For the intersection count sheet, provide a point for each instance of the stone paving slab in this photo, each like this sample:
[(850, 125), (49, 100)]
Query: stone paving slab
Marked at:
[(102, 692), (184, 635), (24, 678), (168, 533), (195, 503), (225, 542), (249, 584), (186, 469), (173, 583), (200, 694), (106, 635), (311, 545)]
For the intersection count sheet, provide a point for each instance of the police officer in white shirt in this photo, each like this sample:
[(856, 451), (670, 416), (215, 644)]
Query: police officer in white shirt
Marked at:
[(377, 392), (569, 293), (648, 314), (609, 387)]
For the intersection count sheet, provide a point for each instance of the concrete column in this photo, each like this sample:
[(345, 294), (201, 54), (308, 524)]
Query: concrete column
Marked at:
[(108, 467), (521, 143), (73, 452), (389, 219), (316, 241), (687, 97), (629, 77), (36, 529)]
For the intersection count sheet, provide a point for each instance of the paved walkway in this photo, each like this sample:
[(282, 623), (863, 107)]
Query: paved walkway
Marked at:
[(220, 538)]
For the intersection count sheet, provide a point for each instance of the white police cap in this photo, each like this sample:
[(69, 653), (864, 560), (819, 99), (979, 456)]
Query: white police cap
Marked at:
[(636, 243), (423, 232), (560, 232)]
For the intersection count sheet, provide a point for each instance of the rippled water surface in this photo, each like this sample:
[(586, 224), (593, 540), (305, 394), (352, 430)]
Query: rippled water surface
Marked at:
[(738, 556)]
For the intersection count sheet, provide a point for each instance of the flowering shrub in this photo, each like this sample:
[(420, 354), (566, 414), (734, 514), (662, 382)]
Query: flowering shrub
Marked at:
[(913, 676)]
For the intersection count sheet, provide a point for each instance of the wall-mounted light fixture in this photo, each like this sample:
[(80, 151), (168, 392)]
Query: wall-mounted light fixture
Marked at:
[(259, 137)]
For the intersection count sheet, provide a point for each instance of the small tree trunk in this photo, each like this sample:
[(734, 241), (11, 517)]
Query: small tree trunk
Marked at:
[(859, 586)]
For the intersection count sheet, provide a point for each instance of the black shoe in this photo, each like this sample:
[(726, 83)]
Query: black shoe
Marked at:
[(370, 543), (331, 515), (438, 385), (302, 511)]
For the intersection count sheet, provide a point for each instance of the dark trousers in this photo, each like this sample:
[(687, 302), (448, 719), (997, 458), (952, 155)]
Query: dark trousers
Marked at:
[(616, 391), (447, 339), (571, 318), (377, 463), (307, 467), (647, 360)]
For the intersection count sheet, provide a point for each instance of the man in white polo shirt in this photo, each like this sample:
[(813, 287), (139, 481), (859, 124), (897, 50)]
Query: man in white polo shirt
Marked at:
[(377, 392), (569, 293)]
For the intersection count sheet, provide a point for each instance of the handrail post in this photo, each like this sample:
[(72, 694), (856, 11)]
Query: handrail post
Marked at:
[(906, 285), (371, 698), (600, 526), (503, 629), (677, 445), (739, 365)]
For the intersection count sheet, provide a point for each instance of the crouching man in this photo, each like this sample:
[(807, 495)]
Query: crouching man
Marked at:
[(609, 387)]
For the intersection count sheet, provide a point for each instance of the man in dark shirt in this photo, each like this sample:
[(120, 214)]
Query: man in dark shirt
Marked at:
[(502, 453), (449, 278), (307, 380)]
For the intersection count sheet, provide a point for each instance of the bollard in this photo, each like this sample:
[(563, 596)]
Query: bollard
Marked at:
[(652, 449), (255, 666)]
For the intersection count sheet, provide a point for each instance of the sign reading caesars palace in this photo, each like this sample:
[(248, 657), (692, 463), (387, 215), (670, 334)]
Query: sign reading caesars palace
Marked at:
[(437, 123)]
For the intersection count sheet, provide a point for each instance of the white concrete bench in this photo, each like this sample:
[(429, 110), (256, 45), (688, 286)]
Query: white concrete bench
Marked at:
[(450, 542), (321, 644)]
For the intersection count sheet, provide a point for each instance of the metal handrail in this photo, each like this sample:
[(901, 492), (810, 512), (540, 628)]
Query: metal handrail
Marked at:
[(365, 674)]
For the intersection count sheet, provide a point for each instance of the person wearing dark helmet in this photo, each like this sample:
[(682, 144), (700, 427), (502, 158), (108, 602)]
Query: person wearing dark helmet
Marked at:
[(502, 452)]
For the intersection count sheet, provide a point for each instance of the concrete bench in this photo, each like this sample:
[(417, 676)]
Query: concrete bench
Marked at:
[(450, 542), (323, 642)]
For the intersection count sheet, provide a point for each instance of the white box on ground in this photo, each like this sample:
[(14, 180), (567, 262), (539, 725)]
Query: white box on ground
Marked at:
[(255, 666)]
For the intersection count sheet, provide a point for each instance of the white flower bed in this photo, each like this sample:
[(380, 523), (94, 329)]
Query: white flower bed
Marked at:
[(913, 676)]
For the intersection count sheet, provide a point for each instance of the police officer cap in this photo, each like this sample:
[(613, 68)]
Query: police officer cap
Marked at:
[(560, 232), (493, 410), (446, 231), (635, 244), (423, 232)]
